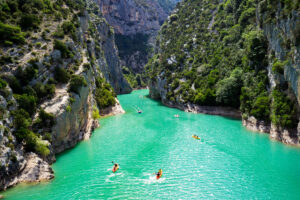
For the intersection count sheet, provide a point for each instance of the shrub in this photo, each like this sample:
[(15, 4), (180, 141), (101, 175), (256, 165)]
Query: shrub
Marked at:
[(283, 110), (27, 74), (61, 75), (29, 21), (59, 45), (14, 84), (11, 33), (278, 67), (76, 83), (44, 90), (3, 83), (104, 94), (21, 118), (95, 113), (26, 102), (104, 98), (68, 27), (47, 119), (68, 108), (229, 89), (261, 108), (41, 148)]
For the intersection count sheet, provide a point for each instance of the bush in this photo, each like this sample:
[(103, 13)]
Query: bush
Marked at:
[(261, 108), (11, 33), (27, 74), (14, 84), (283, 110), (21, 119), (61, 75), (44, 90), (76, 83), (47, 119), (41, 148), (278, 67), (104, 94), (26, 102), (32, 142), (3, 83), (68, 108), (59, 45), (229, 89), (95, 113), (68, 27), (29, 21)]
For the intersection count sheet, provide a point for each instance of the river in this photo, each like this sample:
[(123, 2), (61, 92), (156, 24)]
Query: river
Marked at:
[(228, 163)]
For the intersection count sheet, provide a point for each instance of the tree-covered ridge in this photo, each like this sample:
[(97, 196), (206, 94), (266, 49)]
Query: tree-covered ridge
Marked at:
[(215, 53)]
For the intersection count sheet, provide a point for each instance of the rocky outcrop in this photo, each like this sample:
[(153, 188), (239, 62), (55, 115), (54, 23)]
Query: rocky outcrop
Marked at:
[(35, 170), (157, 91), (93, 55), (253, 124), (287, 136), (32, 169), (112, 110)]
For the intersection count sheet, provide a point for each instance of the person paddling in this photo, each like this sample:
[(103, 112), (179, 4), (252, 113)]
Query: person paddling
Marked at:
[(116, 167), (159, 174)]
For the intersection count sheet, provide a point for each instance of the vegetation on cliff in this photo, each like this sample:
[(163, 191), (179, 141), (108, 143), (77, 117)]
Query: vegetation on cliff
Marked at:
[(214, 53), (43, 54)]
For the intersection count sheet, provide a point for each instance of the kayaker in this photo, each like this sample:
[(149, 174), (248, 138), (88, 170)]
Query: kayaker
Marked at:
[(116, 167), (159, 173)]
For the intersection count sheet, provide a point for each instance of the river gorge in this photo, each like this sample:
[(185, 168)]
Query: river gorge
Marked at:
[(229, 162)]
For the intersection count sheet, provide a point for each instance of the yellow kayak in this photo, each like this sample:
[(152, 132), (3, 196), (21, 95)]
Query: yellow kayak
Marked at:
[(159, 174), (196, 137)]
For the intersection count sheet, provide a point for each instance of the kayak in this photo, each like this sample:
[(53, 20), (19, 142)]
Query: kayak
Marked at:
[(160, 174), (115, 169), (196, 137)]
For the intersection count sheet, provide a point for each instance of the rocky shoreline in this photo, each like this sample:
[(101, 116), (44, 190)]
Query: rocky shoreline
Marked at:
[(290, 137), (210, 110), (113, 110), (35, 169)]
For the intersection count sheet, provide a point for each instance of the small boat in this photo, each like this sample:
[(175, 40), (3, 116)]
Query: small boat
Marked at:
[(140, 112), (115, 169), (176, 116), (196, 137), (159, 175)]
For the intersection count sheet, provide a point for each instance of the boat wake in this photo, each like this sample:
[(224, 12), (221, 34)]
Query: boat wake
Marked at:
[(111, 175), (151, 178)]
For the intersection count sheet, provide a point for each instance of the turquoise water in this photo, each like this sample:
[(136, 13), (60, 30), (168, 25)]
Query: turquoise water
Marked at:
[(228, 163)]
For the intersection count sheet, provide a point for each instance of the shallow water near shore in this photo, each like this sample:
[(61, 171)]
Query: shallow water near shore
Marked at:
[(228, 163)]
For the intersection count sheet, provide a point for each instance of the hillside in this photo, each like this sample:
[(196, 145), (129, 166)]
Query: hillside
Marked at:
[(59, 70), (226, 57)]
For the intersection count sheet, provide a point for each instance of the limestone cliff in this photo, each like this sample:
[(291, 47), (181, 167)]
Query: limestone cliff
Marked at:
[(53, 86), (241, 54), (136, 23)]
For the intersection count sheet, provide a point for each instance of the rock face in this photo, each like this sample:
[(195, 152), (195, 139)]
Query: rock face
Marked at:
[(35, 170), (94, 56), (287, 136), (135, 21), (114, 110), (158, 92), (182, 73)]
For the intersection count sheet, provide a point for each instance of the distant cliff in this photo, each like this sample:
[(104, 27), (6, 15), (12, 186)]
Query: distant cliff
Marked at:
[(242, 55), (136, 23), (59, 70)]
